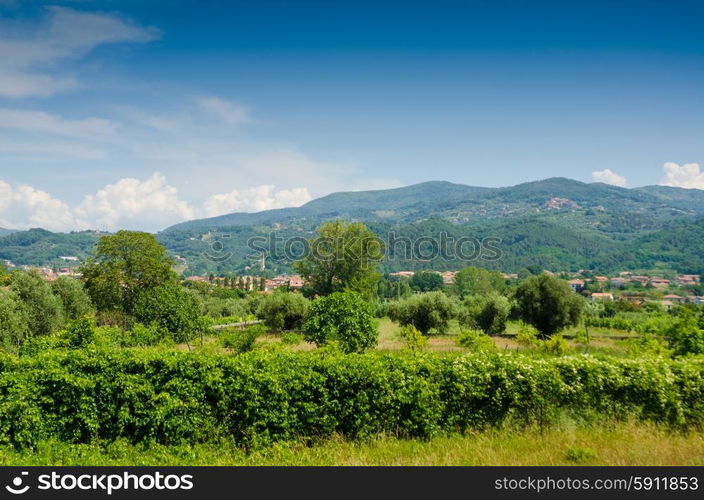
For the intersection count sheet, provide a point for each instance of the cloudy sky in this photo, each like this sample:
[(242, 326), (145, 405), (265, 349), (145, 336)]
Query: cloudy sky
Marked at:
[(123, 114)]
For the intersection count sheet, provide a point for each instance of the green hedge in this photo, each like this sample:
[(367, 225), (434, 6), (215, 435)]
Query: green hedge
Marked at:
[(260, 397)]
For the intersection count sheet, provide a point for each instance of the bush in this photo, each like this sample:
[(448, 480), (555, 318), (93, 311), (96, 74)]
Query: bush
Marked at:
[(283, 310), (171, 308), (415, 341), (487, 313), (291, 338), (260, 397), (685, 336), (79, 333), (555, 345), (426, 312), (241, 340), (527, 336), (343, 316), (475, 341)]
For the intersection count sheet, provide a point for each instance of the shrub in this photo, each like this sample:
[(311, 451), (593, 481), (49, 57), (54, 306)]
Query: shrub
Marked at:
[(555, 345), (415, 341), (343, 316), (283, 310), (475, 341), (527, 336), (488, 313), (291, 338), (426, 312), (260, 397), (241, 340), (171, 308), (146, 335)]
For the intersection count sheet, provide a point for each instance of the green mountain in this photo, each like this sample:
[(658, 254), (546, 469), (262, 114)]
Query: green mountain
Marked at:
[(557, 224)]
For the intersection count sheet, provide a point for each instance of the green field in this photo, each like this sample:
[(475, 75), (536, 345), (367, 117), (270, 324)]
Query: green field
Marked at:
[(626, 443)]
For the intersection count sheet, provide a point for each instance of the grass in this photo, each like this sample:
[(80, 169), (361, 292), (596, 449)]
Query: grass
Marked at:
[(626, 443)]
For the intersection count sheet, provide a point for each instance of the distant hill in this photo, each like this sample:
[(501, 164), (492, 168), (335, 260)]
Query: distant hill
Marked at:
[(558, 224), (4, 231)]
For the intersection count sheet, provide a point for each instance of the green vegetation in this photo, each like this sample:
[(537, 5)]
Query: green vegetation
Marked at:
[(345, 317), (488, 313), (426, 312), (283, 311), (343, 256), (548, 304)]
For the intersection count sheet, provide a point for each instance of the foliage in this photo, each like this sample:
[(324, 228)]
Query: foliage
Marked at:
[(123, 266), (14, 320), (343, 316), (477, 281), (685, 335), (241, 339), (291, 338), (426, 281), (415, 340), (283, 310), (488, 313), (260, 397), (475, 341), (527, 336), (43, 308), (555, 345), (73, 297), (548, 304), (171, 308), (426, 312), (343, 256), (80, 332)]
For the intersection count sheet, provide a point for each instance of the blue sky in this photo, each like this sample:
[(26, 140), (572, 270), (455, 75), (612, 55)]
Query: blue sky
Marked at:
[(140, 114)]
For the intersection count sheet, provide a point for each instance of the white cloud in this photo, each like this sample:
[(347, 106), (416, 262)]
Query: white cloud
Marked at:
[(607, 176), (134, 204), (31, 59), (149, 205), (688, 175), (230, 112), (255, 199), (39, 121), (24, 207)]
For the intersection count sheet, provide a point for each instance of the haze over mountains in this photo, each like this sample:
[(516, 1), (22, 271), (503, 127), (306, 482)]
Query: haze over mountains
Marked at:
[(557, 224)]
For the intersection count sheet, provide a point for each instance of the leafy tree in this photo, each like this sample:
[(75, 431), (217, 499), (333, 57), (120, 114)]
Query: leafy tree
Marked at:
[(548, 303), (80, 332), (343, 256), (172, 308), (427, 311), (685, 335), (488, 313), (43, 308), (14, 320), (124, 265), (283, 310), (73, 297), (476, 281), (343, 316), (394, 288), (427, 281)]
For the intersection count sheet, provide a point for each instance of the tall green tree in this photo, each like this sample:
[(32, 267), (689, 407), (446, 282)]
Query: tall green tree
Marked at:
[(548, 303), (343, 256), (425, 311), (476, 281), (124, 265)]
